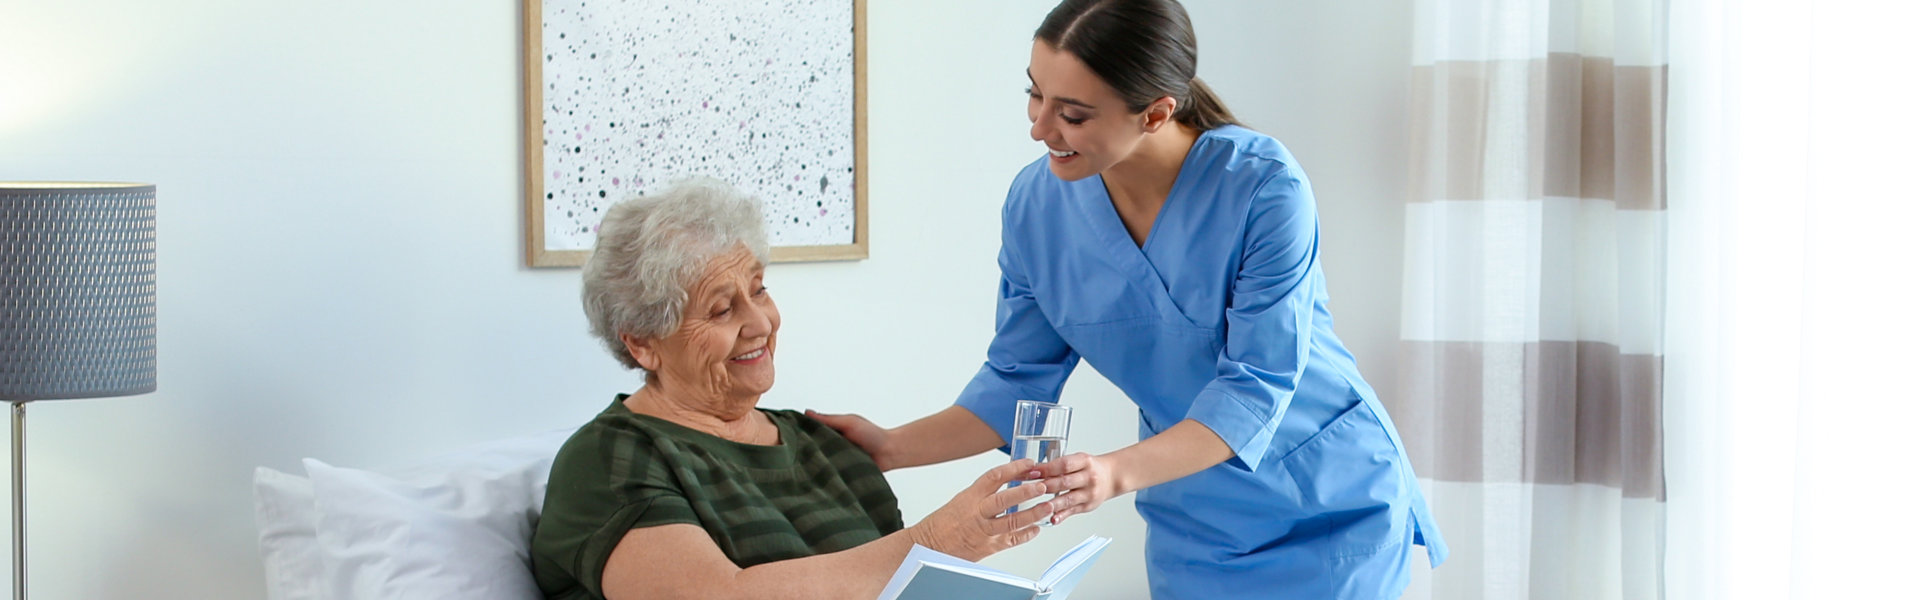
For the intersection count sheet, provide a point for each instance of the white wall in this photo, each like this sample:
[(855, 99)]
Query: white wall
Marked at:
[(340, 248)]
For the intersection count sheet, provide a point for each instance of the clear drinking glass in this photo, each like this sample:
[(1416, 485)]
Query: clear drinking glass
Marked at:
[(1039, 433)]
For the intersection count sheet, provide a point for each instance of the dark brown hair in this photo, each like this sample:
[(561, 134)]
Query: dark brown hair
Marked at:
[(1144, 49)]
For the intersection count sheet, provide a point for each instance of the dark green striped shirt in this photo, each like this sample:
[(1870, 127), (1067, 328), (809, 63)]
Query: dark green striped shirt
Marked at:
[(814, 493)]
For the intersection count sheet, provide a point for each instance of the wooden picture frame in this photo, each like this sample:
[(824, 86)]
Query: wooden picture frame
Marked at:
[(814, 191)]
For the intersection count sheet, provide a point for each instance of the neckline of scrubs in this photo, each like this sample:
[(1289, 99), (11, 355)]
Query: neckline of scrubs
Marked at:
[(1114, 226), (1106, 223)]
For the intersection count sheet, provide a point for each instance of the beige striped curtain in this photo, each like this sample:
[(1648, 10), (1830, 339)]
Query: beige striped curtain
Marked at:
[(1533, 295)]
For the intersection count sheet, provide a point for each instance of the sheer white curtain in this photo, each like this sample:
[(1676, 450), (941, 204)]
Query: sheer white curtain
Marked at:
[(1531, 322), (1792, 405)]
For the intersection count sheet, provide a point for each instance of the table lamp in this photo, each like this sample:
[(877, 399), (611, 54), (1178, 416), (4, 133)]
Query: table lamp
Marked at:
[(76, 305)]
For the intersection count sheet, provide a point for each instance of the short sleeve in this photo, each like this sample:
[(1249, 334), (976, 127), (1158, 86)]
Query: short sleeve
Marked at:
[(1027, 359), (1269, 321), (652, 510), (593, 501)]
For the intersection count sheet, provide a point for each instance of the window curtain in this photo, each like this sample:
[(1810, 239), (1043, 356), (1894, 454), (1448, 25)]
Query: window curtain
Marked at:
[(1534, 295), (1795, 243)]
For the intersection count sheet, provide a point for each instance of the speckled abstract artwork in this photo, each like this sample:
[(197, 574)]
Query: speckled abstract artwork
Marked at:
[(637, 94)]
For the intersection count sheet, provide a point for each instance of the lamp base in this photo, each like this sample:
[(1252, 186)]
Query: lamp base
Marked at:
[(19, 506)]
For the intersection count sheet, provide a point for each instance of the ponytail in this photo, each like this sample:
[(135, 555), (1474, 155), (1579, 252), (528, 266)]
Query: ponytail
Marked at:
[(1203, 110)]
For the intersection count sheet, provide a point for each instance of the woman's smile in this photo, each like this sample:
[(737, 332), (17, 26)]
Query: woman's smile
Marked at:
[(751, 357)]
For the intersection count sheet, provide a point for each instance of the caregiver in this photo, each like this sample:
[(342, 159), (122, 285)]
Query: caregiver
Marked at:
[(1178, 253)]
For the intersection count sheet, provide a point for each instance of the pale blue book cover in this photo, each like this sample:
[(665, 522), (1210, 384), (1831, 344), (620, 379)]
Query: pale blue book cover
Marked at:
[(945, 582), (930, 575)]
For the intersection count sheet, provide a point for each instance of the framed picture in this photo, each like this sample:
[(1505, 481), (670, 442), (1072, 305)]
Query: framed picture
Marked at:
[(626, 96)]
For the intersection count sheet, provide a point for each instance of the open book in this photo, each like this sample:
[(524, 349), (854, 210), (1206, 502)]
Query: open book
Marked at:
[(931, 575)]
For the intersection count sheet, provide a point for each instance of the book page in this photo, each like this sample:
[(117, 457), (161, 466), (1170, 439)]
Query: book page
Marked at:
[(922, 558), (1065, 573)]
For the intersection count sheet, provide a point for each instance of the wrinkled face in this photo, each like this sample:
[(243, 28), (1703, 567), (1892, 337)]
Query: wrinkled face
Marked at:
[(1084, 123), (724, 347)]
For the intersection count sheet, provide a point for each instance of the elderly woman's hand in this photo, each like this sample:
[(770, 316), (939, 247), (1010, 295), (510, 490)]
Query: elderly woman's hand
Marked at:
[(974, 525)]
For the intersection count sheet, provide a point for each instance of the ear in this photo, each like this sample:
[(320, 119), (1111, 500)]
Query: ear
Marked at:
[(642, 351), (1159, 113)]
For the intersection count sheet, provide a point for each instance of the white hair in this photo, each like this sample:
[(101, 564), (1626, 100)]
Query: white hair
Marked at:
[(651, 248)]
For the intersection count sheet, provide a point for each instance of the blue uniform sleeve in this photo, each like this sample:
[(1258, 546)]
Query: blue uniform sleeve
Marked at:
[(1269, 321), (1027, 359)]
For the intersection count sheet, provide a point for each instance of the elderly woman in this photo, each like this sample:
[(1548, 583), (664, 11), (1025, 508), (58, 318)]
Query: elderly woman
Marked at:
[(684, 489)]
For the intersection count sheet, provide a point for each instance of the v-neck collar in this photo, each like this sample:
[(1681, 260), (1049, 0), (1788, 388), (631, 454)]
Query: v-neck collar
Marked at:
[(1179, 183), (1136, 260), (1106, 218)]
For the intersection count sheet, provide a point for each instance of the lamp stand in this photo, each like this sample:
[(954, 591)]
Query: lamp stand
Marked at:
[(19, 508), (76, 305)]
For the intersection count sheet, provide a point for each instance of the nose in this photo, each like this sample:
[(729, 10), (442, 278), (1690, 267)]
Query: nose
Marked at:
[(1042, 128), (761, 319)]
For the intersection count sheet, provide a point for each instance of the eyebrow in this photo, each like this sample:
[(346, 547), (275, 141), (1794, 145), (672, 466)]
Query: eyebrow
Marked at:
[(719, 291), (1062, 99), (727, 288)]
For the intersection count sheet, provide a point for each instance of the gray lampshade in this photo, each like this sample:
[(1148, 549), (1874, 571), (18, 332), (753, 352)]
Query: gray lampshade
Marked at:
[(76, 290)]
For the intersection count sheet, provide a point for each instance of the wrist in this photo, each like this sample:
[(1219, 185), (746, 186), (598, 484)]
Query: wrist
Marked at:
[(938, 539), (888, 457), (1184, 449), (918, 535), (1119, 480)]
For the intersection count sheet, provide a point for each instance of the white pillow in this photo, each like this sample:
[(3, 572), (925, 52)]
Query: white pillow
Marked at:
[(457, 526), (283, 509)]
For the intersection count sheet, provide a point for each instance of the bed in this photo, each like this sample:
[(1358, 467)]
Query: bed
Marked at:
[(453, 526)]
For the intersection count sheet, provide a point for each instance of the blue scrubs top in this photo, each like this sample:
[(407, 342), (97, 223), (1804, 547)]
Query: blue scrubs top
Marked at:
[(1220, 317)]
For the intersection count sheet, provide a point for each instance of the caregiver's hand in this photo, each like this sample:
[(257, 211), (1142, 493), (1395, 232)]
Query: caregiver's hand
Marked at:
[(1089, 480), (863, 433)]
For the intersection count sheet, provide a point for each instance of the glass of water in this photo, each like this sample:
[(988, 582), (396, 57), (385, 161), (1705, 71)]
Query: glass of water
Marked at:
[(1039, 433)]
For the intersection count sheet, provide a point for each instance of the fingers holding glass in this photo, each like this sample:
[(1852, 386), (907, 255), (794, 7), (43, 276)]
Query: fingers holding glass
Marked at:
[(1039, 434)]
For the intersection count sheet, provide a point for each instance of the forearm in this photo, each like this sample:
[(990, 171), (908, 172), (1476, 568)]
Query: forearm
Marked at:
[(950, 434), (1186, 448), (681, 561), (859, 572)]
